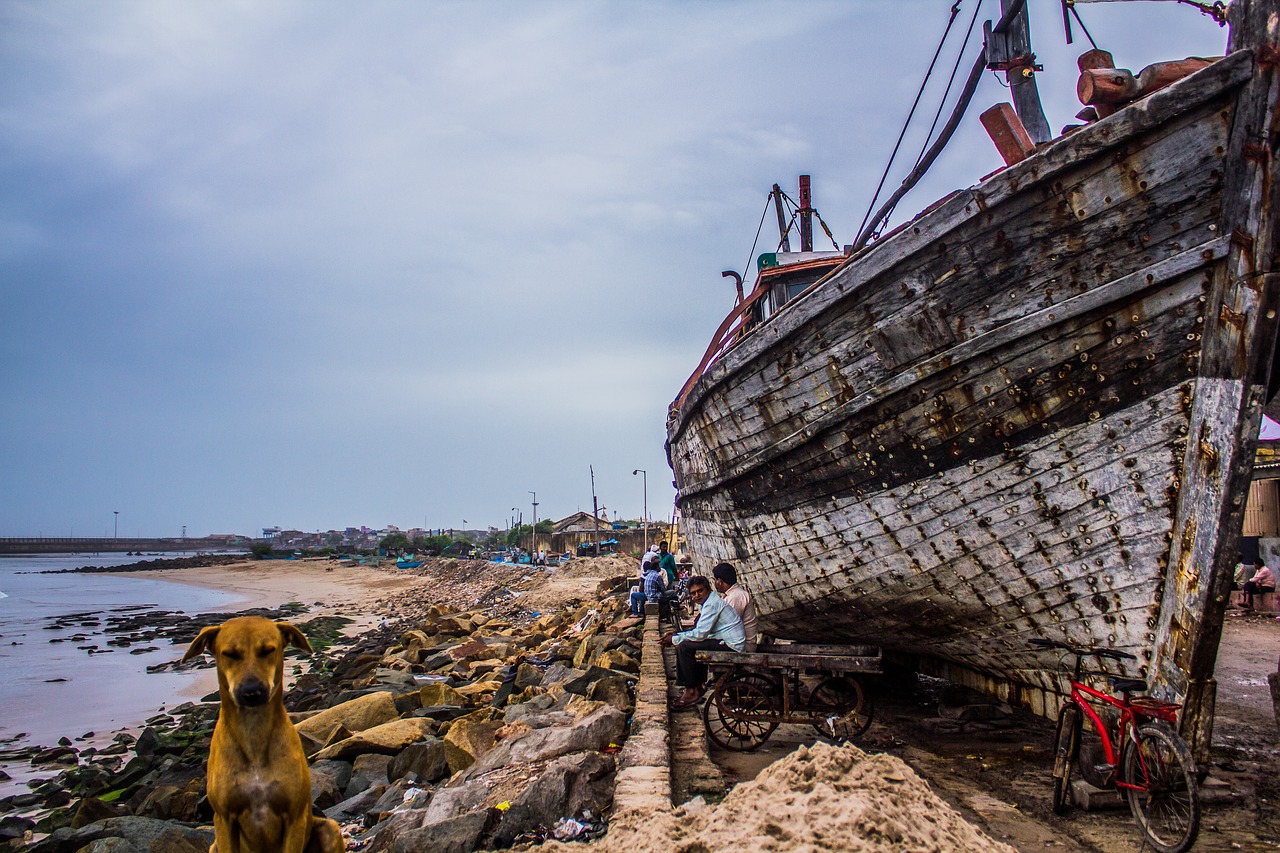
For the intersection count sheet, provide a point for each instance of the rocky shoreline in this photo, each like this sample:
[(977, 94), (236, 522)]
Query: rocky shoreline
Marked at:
[(489, 708), (466, 717), (198, 561)]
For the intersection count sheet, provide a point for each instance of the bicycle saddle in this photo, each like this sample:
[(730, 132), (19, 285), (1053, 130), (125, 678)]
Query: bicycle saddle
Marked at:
[(1128, 685)]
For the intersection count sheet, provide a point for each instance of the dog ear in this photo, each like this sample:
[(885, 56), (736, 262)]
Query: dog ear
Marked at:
[(202, 643), (293, 637)]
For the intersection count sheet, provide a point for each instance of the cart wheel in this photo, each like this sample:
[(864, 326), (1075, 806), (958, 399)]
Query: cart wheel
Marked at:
[(740, 715), (847, 708)]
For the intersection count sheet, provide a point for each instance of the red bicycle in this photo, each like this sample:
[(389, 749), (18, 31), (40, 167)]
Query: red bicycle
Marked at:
[(1141, 754)]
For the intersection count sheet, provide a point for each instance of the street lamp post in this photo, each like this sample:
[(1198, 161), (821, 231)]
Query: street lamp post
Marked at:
[(533, 533), (116, 535), (645, 480), (518, 520)]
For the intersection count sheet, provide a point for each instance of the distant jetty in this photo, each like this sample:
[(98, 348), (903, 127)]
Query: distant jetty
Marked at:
[(73, 545)]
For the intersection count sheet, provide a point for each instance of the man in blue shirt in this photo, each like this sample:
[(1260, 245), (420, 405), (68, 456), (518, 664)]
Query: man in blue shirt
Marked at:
[(718, 628)]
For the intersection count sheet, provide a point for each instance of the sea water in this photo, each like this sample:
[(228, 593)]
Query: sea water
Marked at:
[(50, 690)]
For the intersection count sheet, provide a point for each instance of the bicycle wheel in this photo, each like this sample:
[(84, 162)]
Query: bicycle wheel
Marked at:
[(740, 715), (1165, 800), (846, 709), (1066, 743)]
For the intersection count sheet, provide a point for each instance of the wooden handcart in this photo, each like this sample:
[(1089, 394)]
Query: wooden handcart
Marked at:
[(755, 692)]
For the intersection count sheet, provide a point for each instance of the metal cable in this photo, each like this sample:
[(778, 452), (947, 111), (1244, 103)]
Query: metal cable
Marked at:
[(955, 11), (971, 85), (951, 81)]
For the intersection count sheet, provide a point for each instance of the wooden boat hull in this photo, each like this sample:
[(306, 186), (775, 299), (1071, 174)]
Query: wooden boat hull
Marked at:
[(1027, 414)]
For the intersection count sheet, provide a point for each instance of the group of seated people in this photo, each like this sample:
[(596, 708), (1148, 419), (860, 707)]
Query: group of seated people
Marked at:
[(726, 621), (726, 616), (658, 579)]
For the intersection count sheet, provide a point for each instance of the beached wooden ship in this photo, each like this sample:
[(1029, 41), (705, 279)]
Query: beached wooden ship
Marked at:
[(1028, 413)]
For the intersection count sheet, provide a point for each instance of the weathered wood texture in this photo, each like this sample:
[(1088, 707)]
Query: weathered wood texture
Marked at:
[(1239, 338), (775, 660), (977, 431)]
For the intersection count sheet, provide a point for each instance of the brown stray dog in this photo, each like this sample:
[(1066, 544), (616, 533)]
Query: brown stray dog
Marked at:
[(258, 783)]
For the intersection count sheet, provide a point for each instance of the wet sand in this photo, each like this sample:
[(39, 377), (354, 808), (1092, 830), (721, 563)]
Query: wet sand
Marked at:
[(326, 587)]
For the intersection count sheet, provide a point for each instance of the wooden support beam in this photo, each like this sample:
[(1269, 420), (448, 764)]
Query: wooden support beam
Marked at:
[(1006, 131)]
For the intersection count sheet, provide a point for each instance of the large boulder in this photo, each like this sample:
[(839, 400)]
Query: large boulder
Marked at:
[(569, 784), (357, 715), (426, 760), (171, 802), (440, 693), (128, 833), (358, 805), (368, 770), (468, 740), (460, 834), (594, 732), (383, 836), (613, 690), (387, 739), (619, 660), (328, 780), (581, 682), (527, 676), (471, 650)]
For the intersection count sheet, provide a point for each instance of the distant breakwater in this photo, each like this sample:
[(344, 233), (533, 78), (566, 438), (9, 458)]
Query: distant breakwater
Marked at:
[(156, 565), (72, 545)]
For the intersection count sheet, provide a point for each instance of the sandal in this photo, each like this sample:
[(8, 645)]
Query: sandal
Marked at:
[(682, 705)]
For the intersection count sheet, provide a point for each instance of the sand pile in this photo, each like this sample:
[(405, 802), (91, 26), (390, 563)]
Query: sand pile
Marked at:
[(818, 798), (608, 565)]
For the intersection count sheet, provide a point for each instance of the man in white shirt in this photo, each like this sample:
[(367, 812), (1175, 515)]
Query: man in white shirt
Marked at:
[(718, 628), (737, 597)]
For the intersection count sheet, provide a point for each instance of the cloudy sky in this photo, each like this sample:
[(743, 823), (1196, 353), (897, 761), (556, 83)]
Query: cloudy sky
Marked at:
[(318, 264)]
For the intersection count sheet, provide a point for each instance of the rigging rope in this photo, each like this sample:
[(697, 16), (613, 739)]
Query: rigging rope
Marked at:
[(954, 70), (756, 241), (795, 211), (955, 11), (957, 113)]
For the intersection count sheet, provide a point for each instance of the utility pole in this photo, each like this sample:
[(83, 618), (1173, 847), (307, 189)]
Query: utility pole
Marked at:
[(645, 479), (533, 533), (595, 507)]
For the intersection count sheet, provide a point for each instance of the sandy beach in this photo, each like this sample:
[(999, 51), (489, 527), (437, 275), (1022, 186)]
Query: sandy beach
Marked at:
[(324, 586)]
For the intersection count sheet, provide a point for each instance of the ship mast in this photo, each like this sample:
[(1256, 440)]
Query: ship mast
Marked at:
[(1009, 50)]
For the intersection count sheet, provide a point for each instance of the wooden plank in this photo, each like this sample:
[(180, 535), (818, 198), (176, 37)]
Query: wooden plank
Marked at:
[(826, 663), (975, 348), (821, 649), (1239, 343), (792, 397)]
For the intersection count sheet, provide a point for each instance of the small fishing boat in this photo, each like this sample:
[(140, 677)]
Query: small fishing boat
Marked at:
[(1030, 412), (409, 562)]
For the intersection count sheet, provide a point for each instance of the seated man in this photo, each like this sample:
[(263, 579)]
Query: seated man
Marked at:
[(737, 597), (651, 584), (1263, 580), (718, 628)]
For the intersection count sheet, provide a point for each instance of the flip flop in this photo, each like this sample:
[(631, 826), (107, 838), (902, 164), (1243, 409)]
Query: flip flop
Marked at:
[(679, 705)]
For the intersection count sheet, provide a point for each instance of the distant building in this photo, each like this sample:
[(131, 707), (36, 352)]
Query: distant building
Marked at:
[(580, 522)]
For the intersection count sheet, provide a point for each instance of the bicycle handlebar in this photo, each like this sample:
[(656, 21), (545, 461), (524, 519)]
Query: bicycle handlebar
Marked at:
[(1114, 654)]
